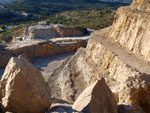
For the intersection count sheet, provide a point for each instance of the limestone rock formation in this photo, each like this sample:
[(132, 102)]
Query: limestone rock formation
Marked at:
[(23, 89), (40, 49), (43, 33), (120, 54), (143, 5), (56, 31), (131, 29), (67, 79), (97, 98), (70, 31)]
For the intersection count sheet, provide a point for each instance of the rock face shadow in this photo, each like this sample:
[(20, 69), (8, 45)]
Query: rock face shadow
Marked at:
[(1, 72), (56, 100), (62, 109), (86, 109), (44, 61), (122, 108)]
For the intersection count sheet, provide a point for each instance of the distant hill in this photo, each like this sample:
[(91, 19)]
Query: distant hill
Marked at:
[(42, 9), (48, 7), (77, 1), (64, 1), (120, 1), (6, 1), (9, 16)]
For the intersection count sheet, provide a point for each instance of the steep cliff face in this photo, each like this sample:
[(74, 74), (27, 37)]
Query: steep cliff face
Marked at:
[(131, 28), (120, 54)]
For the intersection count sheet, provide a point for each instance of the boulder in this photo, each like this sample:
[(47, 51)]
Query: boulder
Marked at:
[(23, 89), (97, 98)]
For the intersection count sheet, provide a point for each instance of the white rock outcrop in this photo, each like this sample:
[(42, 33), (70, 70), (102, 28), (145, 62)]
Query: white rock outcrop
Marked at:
[(56, 31), (23, 89)]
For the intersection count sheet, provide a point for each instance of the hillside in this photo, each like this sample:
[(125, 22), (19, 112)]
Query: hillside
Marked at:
[(12, 16), (71, 1), (45, 8), (120, 1), (99, 14), (84, 18), (6, 1)]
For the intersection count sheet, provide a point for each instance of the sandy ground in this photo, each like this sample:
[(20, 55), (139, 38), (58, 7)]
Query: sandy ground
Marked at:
[(47, 64)]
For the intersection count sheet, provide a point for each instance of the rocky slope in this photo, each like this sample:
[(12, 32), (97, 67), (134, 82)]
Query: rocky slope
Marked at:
[(40, 48), (23, 90), (120, 54), (131, 28)]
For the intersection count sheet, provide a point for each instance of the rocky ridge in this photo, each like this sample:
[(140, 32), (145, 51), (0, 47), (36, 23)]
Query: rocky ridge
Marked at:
[(120, 54)]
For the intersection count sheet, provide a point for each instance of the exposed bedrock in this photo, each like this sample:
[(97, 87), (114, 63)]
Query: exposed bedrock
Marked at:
[(56, 31), (127, 75), (40, 49), (131, 29)]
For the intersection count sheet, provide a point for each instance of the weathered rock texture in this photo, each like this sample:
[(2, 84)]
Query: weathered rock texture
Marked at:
[(23, 89), (143, 5), (70, 31), (57, 31), (41, 49), (120, 54), (44, 32), (131, 29), (96, 98)]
